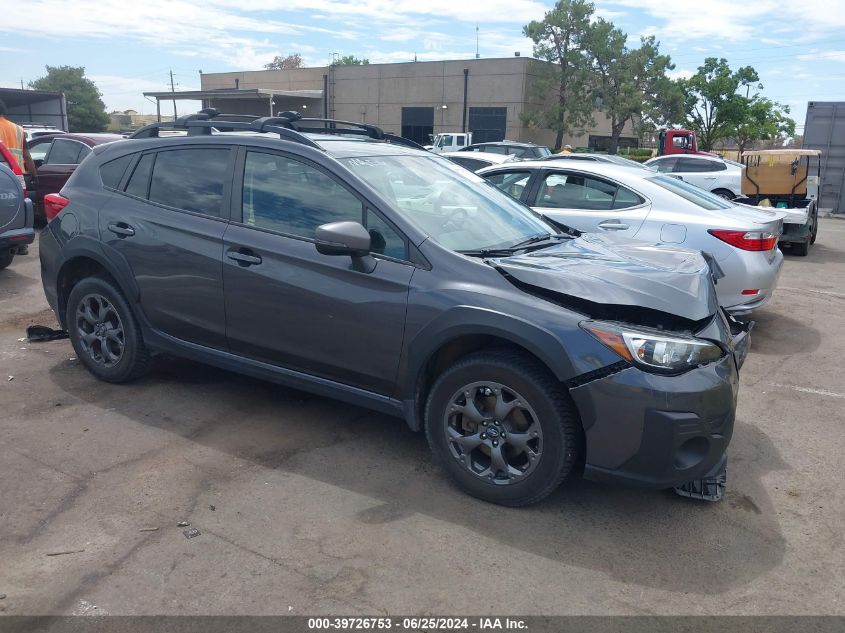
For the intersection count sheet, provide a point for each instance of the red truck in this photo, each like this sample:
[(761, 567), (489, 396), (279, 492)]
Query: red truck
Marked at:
[(678, 142)]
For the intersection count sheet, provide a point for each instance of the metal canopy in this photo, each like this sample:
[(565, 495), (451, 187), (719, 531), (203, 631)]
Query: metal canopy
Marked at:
[(234, 93)]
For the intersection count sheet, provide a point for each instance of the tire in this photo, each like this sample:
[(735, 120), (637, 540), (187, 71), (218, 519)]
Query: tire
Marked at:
[(539, 439), (6, 258), (724, 193), (800, 248), (104, 332), (815, 230)]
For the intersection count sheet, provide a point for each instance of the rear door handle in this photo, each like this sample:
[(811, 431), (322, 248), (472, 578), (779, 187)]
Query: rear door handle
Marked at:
[(613, 225), (244, 257), (121, 229)]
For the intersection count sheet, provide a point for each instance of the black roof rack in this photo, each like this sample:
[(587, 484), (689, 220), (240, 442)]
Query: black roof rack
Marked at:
[(290, 126)]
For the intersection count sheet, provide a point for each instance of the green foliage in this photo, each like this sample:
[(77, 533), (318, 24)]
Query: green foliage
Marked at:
[(713, 106), (564, 85), (629, 83), (763, 120), (351, 60), (86, 111), (285, 63)]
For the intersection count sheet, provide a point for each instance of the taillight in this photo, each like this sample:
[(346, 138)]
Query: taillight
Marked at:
[(53, 205), (747, 240), (23, 183)]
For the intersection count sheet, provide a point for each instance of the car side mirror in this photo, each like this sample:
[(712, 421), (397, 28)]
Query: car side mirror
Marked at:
[(346, 238), (38, 162)]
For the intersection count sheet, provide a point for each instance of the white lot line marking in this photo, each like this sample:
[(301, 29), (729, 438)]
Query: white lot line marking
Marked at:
[(838, 295), (818, 392)]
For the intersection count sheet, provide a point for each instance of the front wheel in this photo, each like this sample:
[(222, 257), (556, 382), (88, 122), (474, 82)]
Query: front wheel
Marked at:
[(724, 193), (503, 427)]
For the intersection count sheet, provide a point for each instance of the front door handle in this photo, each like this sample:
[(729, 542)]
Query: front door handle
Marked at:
[(121, 229), (244, 257), (710, 178), (613, 225)]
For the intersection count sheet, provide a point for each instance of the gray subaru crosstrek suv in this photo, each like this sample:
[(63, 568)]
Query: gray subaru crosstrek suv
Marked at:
[(331, 257)]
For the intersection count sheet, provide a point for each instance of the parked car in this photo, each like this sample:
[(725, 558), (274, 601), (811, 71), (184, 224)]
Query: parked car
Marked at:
[(37, 130), (601, 158), (522, 151), (381, 275), (16, 218), (712, 173), (56, 156), (635, 203), (478, 160)]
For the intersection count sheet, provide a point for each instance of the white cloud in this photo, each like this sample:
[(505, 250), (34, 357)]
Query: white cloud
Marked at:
[(837, 56)]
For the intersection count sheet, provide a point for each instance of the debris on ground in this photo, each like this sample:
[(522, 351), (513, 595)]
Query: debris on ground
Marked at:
[(149, 529), (212, 507), (70, 551), (41, 333), (2, 596), (182, 524), (191, 533), (11, 378)]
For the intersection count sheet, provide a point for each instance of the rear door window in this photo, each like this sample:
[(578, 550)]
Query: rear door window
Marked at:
[(191, 179), (64, 152), (139, 182)]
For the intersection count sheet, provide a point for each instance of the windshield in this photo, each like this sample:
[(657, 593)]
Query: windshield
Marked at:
[(455, 207), (698, 197)]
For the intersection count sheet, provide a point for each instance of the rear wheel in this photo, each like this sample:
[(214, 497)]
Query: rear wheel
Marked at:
[(104, 332), (503, 427), (6, 258), (800, 248), (815, 230)]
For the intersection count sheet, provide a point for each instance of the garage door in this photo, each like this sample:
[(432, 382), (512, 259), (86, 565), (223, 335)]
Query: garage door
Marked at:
[(418, 124), (488, 124)]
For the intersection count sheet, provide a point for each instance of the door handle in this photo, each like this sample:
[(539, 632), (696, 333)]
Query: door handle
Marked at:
[(121, 229), (247, 258), (710, 178), (613, 225)]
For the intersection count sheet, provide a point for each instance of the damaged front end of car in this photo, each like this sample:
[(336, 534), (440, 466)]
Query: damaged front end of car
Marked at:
[(662, 415)]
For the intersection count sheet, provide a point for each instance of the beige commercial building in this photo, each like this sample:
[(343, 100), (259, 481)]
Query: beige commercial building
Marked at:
[(414, 99)]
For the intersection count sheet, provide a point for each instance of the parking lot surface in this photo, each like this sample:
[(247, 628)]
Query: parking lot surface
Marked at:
[(310, 506)]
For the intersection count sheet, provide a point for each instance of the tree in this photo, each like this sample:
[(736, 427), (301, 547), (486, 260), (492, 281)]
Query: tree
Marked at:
[(351, 60), (560, 38), (629, 84), (714, 108), (86, 111), (763, 120), (285, 63)]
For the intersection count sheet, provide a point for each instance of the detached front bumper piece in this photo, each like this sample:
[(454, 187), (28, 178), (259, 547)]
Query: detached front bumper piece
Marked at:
[(709, 488)]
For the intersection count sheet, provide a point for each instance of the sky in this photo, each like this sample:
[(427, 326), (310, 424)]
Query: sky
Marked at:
[(127, 48)]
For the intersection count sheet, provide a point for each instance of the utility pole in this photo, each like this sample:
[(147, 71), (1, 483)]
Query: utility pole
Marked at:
[(476, 42), (173, 90)]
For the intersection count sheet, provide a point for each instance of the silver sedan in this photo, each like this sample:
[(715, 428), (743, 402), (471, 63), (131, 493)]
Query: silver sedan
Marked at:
[(597, 197)]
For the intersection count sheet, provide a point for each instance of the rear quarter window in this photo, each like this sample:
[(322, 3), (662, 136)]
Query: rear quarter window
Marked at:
[(111, 173)]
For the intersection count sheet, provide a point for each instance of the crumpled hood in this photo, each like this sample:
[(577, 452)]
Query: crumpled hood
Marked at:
[(619, 271)]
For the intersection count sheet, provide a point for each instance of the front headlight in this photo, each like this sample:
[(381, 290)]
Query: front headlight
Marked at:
[(652, 349)]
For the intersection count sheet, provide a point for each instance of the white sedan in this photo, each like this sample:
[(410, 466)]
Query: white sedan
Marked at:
[(718, 175), (595, 197)]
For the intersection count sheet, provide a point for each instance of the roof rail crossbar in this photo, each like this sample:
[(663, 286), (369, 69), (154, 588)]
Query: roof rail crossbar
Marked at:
[(372, 131)]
